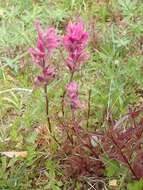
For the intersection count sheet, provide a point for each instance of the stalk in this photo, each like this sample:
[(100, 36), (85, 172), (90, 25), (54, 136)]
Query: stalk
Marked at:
[(89, 108), (64, 93), (47, 113), (47, 108)]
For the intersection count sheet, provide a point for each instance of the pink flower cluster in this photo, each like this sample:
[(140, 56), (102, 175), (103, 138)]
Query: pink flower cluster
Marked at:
[(47, 41), (72, 92), (75, 42)]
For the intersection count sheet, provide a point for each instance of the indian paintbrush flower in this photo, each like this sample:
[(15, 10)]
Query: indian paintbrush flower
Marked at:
[(75, 42), (72, 92), (47, 75), (47, 41)]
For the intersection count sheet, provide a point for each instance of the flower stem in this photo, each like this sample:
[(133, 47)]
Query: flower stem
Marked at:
[(64, 93), (47, 108), (89, 107), (71, 78)]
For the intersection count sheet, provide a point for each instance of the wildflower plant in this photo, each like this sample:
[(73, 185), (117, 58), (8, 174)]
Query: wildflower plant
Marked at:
[(74, 42), (47, 41)]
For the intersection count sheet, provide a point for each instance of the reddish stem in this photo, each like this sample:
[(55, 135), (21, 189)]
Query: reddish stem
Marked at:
[(124, 157), (63, 96), (47, 108), (88, 112)]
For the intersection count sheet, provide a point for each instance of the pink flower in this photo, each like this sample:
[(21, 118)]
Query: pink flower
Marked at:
[(47, 75), (47, 41), (75, 42), (48, 37), (72, 89), (51, 40), (39, 81), (72, 92), (37, 56)]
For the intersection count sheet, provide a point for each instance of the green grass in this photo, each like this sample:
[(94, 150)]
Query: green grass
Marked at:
[(114, 73)]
